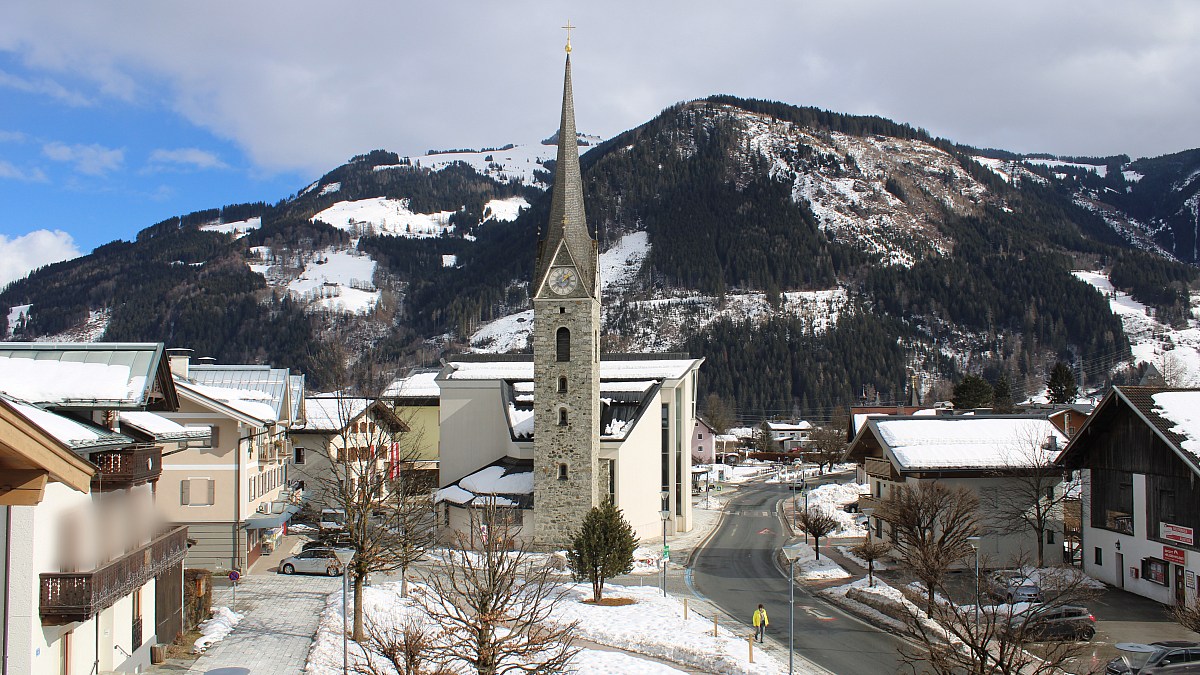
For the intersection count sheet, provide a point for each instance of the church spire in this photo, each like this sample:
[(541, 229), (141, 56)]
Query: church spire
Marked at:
[(568, 221)]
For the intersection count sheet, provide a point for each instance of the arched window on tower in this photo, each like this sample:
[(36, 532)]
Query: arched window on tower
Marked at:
[(562, 417), (562, 341), (562, 384)]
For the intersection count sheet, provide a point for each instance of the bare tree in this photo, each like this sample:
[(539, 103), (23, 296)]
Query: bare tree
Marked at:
[(1031, 498), (1174, 371), (718, 413), (495, 600), (816, 521), (827, 444), (363, 467), (406, 649), (977, 639), (870, 551), (930, 524)]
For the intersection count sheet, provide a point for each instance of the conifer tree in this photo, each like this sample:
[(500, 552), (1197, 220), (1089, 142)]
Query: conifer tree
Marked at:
[(972, 392), (1063, 388), (1002, 401), (602, 548)]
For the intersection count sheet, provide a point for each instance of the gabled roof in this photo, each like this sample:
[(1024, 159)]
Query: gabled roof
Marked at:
[(161, 429), (419, 383), (1173, 414), (29, 453), (85, 376), (72, 433), (961, 442), (257, 391)]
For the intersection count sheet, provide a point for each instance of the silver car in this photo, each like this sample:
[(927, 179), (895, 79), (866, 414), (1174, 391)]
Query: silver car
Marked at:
[(313, 561), (1013, 586)]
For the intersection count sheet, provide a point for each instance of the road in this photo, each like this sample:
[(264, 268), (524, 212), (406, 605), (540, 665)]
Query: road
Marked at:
[(736, 570)]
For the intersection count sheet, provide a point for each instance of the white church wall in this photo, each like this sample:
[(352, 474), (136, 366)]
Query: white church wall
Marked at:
[(638, 477), (474, 429)]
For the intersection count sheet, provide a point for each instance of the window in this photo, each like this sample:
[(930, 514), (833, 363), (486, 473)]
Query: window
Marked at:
[(562, 471), (1154, 571), (1099, 557), (700, 435), (562, 384), (562, 343), (562, 417), (250, 488), (197, 492), (1049, 536), (297, 455)]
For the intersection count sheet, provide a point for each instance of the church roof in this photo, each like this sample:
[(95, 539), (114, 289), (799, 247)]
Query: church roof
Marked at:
[(505, 482), (568, 221)]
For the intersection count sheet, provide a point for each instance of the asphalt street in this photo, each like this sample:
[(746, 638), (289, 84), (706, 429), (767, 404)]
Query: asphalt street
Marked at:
[(736, 570)]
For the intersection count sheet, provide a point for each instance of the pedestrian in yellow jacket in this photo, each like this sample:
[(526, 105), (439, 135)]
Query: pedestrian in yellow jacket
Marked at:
[(760, 623)]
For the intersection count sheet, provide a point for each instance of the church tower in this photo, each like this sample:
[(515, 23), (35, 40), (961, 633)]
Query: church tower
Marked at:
[(566, 350)]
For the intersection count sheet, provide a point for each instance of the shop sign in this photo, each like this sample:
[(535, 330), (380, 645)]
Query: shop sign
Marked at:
[(1191, 579), (1175, 555), (1176, 533)]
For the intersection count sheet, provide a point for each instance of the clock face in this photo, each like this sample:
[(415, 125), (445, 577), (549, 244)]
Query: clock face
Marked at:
[(563, 280)]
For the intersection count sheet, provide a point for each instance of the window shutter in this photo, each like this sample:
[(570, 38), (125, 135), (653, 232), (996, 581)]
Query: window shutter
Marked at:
[(212, 492), (184, 492)]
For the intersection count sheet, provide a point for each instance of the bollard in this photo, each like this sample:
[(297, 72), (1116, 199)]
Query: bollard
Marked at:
[(685, 609), (714, 626), (750, 646)]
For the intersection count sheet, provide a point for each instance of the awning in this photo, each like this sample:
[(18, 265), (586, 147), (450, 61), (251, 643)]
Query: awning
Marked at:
[(272, 520)]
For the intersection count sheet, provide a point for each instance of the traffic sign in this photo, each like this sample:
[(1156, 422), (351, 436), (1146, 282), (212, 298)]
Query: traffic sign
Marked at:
[(234, 576)]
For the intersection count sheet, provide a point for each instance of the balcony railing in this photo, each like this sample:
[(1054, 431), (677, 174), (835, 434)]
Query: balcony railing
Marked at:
[(127, 467), (865, 502), (78, 596), (881, 468)]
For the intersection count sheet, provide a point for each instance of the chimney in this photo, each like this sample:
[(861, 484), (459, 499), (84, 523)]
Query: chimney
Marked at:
[(180, 358), (206, 361)]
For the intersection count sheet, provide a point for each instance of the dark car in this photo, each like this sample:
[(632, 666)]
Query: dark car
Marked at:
[(1166, 657), (1038, 624)]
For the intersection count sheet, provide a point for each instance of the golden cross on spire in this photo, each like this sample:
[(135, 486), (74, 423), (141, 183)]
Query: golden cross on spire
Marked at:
[(568, 28)]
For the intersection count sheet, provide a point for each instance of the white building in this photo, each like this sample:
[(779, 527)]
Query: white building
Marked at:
[(1139, 458), (999, 458)]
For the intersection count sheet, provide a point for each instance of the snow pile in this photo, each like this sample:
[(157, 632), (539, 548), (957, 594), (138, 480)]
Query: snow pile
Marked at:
[(1150, 340), (380, 215), (238, 228), (654, 625), (848, 551), (1181, 408), (215, 629), (832, 498), (811, 568)]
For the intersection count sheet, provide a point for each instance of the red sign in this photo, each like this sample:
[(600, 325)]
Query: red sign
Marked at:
[(1176, 533), (1175, 555)]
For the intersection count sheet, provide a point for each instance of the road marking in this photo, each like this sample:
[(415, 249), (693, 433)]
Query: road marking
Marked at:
[(821, 616), (766, 530)]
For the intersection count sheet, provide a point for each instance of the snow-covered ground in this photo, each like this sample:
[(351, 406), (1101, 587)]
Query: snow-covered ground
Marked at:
[(513, 164), (810, 568), (504, 210), (621, 263), (338, 280), (385, 216), (238, 229), (507, 334), (653, 626), (17, 316), (1150, 340)]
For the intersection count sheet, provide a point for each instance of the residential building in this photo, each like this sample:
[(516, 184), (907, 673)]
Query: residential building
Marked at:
[(704, 443), (231, 488), (789, 436), (1006, 461), (1138, 459), (91, 579), (415, 399)]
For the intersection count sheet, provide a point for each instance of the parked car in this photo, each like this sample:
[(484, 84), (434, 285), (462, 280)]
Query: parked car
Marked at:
[(332, 520), (1169, 657), (313, 561), (1013, 586), (1038, 624)]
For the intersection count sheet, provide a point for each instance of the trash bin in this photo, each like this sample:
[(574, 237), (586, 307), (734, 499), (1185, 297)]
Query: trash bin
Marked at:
[(158, 654)]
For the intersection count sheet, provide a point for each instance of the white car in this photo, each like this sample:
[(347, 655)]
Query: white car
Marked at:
[(313, 561)]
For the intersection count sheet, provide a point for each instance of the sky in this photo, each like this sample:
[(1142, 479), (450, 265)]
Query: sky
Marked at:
[(117, 115)]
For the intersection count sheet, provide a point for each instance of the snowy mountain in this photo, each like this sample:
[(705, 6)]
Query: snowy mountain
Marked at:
[(808, 255)]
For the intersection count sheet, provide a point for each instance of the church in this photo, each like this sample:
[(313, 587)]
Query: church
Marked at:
[(546, 436)]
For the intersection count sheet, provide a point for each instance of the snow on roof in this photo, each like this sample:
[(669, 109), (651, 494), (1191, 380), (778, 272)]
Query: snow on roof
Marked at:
[(453, 493), (861, 418), (161, 428), (417, 384), (256, 391), (633, 369), (493, 480), (64, 374), (71, 433), (331, 413), (970, 442), (1181, 408), (237, 399), (788, 426), (521, 421)]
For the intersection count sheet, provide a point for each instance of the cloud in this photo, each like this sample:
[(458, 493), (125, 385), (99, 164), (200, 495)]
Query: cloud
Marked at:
[(44, 86), (12, 137), (21, 255), (93, 159), (13, 172), (193, 158)]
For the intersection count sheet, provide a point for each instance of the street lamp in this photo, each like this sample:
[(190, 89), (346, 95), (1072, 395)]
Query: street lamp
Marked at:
[(665, 514), (791, 553), (804, 489), (974, 542)]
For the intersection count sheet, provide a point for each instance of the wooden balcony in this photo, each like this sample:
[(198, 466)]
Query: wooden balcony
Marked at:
[(865, 502), (78, 596), (127, 467), (881, 468)]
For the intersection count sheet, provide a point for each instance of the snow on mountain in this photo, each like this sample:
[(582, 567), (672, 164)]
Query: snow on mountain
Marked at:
[(512, 164), (330, 279), (1099, 170), (1137, 233), (1008, 169), (1169, 349), (330, 188), (385, 216), (504, 210), (507, 334), (16, 316), (850, 183), (238, 229), (620, 264)]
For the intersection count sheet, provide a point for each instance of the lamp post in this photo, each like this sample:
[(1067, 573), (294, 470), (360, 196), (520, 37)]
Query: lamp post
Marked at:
[(974, 542), (804, 489), (791, 553), (665, 514), (795, 499)]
